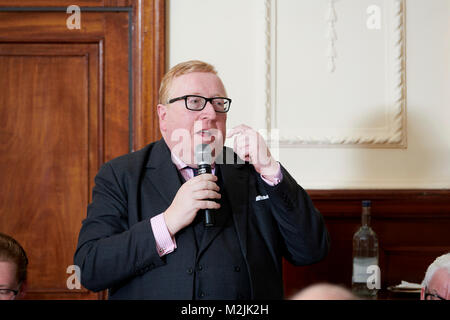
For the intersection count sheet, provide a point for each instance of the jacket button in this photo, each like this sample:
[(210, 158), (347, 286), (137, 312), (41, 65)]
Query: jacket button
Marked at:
[(202, 294), (200, 268), (189, 270), (237, 269)]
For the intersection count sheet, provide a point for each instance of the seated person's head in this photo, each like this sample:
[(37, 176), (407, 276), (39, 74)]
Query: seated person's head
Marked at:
[(324, 291), (436, 285), (13, 268)]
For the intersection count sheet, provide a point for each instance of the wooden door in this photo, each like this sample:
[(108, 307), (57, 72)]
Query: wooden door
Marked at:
[(70, 99)]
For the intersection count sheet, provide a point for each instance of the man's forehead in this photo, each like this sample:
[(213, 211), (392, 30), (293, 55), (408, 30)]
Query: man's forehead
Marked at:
[(8, 270), (442, 273), (7, 265), (441, 279)]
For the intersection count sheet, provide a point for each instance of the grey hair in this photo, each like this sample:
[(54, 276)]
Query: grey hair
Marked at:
[(442, 262)]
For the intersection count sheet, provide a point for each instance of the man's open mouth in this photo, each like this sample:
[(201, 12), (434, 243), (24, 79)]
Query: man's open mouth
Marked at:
[(205, 133)]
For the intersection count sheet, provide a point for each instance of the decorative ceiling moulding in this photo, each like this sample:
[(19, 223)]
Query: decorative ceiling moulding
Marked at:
[(377, 119)]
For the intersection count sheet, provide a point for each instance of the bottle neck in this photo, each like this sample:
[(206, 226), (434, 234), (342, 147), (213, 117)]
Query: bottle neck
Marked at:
[(365, 219)]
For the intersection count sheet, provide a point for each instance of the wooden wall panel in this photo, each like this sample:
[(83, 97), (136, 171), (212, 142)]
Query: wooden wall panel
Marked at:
[(66, 3), (69, 101), (49, 119), (147, 52), (153, 66), (412, 226)]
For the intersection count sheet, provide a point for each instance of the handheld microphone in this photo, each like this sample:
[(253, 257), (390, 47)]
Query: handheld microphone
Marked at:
[(203, 159)]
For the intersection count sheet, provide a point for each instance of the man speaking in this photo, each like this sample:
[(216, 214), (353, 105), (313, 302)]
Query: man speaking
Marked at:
[(145, 235)]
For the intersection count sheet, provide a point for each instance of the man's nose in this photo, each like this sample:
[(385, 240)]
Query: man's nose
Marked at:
[(208, 111)]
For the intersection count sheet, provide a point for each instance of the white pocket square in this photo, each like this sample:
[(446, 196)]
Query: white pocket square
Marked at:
[(259, 198)]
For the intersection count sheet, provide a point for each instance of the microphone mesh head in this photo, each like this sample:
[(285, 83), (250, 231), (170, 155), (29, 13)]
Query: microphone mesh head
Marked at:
[(203, 154)]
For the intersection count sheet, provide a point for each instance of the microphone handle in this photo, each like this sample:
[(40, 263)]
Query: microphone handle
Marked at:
[(209, 219), (209, 216)]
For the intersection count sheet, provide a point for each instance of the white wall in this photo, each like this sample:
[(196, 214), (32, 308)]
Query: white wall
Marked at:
[(233, 36)]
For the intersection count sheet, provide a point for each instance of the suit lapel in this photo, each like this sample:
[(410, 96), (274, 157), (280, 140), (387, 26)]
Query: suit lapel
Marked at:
[(235, 179), (211, 232), (162, 173)]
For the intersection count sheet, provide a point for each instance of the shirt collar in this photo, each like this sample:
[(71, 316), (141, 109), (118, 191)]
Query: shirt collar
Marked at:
[(180, 164)]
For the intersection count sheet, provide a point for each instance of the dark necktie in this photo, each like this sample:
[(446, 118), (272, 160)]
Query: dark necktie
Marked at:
[(198, 220)]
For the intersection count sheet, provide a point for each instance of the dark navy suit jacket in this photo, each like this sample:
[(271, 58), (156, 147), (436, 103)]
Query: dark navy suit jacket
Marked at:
[(116, 246)]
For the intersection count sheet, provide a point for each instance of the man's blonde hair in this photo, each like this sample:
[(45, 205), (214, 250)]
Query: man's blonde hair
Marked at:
[(178, 70)]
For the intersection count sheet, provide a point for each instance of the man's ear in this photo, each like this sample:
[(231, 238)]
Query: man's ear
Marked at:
[(162, 115), (422, 293)]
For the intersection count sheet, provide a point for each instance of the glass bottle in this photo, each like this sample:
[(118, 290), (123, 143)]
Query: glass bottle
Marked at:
[(366, 271)]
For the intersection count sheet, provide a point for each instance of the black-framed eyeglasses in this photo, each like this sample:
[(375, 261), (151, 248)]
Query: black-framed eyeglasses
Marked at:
[(433, 296), (8, 294), (198, 103)]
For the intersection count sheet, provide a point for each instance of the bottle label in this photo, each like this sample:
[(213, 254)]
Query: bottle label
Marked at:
[(360, 268)]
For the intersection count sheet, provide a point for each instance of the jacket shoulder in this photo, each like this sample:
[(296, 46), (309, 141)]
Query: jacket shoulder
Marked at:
[(131, 162)]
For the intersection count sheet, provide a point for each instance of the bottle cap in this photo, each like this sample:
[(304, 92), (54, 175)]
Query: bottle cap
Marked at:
[(366, 203)]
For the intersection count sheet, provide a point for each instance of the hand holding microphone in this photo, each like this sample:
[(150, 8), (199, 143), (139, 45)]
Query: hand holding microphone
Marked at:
[(196, 194), (203, 159)]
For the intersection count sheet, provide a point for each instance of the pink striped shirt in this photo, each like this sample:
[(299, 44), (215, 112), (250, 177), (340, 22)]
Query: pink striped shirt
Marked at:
[(165, 243)]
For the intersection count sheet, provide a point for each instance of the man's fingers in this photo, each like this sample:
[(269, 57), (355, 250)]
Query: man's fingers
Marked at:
[(241, 139), (243, 148), (207, 176), (208, 185), (205, 204), (233, 132), (207, 194), (202, 177), (238, 129), (204, 185)]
